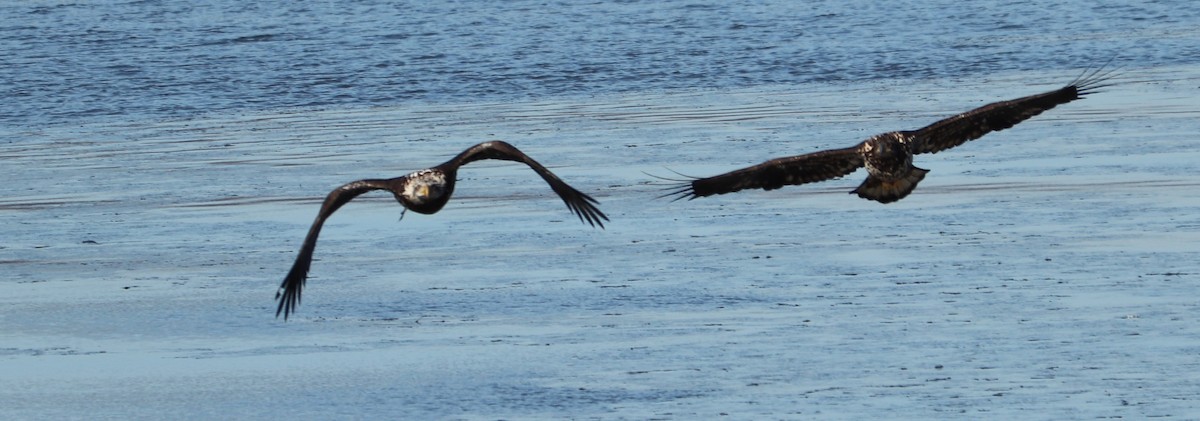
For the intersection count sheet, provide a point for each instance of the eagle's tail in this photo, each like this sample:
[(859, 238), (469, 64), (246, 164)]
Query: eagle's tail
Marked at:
[(888, 191)]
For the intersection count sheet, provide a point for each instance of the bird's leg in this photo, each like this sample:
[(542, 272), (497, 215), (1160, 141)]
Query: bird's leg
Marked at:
[(402, 214)]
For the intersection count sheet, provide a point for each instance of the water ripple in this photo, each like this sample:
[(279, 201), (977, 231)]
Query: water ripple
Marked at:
[(138, 60)]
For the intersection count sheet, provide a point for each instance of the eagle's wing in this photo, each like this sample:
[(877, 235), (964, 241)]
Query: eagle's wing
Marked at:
[(776, 173), (580, 204), (971, 125), (289, 292)]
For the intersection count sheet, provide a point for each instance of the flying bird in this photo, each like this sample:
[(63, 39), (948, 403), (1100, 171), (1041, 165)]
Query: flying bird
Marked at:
[(425, 191), (888, 157)]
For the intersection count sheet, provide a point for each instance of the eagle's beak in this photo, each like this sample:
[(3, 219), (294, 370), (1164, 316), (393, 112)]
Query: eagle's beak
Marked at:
[(423, 192)]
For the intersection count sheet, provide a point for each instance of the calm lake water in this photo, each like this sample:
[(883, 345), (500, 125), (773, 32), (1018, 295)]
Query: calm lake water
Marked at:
[(67, 62)]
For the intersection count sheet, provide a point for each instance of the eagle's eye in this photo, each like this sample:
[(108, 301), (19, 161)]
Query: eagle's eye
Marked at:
[(436, 191)]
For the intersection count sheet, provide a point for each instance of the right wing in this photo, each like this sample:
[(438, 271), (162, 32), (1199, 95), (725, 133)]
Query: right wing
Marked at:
[(289, 292), (776, 173)]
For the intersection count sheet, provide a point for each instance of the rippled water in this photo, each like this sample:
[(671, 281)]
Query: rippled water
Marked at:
[(163, 161), (66, 61)]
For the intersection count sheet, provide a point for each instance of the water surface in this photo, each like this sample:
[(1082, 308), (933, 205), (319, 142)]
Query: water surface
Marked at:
[(162, 162), (66, 62)]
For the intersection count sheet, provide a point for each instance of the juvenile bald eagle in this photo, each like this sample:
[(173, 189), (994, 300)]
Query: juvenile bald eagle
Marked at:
[(424, 191), (888, 157)]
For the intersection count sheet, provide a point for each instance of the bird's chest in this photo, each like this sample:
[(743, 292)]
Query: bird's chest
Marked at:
[(887, 155)]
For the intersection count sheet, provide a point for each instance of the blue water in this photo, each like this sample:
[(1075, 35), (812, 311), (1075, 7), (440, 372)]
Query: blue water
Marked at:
[(163, 161), (65, 62)]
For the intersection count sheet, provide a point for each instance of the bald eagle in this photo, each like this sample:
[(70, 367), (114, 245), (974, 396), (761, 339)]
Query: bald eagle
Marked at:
[(424, 191), (891, 174)]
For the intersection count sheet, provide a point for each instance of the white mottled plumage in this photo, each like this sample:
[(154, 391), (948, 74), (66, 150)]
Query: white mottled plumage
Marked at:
[(424, 185)]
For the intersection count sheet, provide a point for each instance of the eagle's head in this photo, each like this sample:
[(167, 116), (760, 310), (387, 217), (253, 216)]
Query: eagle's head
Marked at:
[(425, 191), (887, 153)]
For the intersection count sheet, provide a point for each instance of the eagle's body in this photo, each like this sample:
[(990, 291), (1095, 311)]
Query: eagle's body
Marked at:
[(888, 156), (425, 191)]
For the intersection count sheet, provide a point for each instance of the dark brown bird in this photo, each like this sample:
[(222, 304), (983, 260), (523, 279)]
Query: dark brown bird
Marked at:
[(888, 157), (424, 191)]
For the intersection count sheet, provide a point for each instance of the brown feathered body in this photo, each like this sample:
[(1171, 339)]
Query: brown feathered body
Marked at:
[(891, 174), (425, 191), (888, 157)]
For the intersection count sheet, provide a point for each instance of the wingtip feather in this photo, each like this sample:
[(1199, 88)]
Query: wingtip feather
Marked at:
[(1092, 79), (679, 188)]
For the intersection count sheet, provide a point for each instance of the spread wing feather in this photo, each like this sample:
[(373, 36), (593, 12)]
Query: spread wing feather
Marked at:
[(582, 205), (971, 125), (776, 173), (289, 291)]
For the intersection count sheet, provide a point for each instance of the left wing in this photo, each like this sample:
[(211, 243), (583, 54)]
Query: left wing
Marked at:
[(582, 205), (971, 125)]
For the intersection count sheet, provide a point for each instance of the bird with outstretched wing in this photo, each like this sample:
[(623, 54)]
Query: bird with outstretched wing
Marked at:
[(425, 191), (891, 174)]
